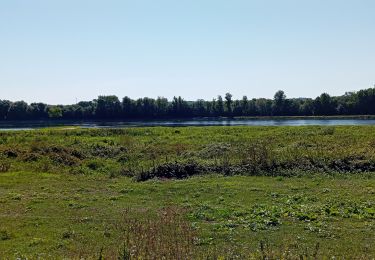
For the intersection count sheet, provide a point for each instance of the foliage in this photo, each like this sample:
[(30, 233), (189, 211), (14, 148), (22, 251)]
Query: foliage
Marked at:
[(54, 112), (111, 108)]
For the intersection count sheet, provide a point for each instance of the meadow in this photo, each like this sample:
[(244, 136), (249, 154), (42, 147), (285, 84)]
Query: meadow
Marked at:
[(188, 193)]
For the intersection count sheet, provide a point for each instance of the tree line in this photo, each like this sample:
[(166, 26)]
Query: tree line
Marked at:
[(111, 107)]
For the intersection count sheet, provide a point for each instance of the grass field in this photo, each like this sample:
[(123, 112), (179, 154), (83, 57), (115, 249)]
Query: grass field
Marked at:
[(252, 192)]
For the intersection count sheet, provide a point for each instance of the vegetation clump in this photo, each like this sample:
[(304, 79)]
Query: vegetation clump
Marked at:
[(4, 235), (147, 153)]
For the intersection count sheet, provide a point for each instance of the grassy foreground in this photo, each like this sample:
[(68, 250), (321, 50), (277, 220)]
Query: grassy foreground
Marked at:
[(74, 193), (50, 215)]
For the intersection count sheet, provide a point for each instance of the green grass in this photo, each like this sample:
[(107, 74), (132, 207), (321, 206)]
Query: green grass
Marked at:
[(50, 215), (144, 152), (73, 193)]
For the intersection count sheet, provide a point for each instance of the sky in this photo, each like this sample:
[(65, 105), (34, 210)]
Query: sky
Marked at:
[(60, 51)]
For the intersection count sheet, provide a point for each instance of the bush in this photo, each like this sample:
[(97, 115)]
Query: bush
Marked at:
[(171, 170), (258, 157)]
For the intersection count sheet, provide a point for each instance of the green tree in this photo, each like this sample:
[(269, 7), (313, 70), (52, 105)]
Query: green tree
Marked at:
[(237, 108), (18, 111), (108, 107), (324, 105), (179, 107), (128, 107), (54, 112), (38, 110), (307, 107), (219, 106), (4, 108), (263, 107), (245, 105), (228, 103), (162, 106), (199, 108), (279, 101)]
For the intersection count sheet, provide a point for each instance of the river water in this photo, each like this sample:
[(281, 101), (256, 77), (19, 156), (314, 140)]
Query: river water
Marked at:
[(29, 125)]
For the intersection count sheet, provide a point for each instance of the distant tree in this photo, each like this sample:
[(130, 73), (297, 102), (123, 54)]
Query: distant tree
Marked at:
[(55, 112), (128, 108), (148, 107), (292, 107), (263, 107), (38, 110), (4, 108), (237, 108), (179, 107), (214, 111), (162, 106), (219, 106), (228, 103), (252, 108), (210, 108), (245, 105), (347, 104), (199, 108), (366, 101), (87, 109), (324, 105), (307, 107), (139, 107), (108, 107), (279, 103), (18, 111)]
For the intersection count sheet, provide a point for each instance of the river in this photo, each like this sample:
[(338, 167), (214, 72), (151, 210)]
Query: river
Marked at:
[(29, 125)]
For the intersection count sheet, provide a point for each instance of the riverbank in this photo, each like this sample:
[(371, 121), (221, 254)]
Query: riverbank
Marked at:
[(179, 152)]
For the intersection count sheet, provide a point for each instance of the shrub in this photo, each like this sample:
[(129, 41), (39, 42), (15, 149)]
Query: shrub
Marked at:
[(95, 165), (170, 170), (330, 130), (258, 157)]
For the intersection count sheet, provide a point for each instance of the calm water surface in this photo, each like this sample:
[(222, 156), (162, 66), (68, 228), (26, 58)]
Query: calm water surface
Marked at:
[(29, 125)]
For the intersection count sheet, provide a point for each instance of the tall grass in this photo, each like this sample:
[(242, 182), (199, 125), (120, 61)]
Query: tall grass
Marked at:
[(146, 153), (165, 236)]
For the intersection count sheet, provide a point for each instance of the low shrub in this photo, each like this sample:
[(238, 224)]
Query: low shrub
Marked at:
[(171, 170)]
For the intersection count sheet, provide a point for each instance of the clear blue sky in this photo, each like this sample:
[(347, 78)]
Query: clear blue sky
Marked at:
[(58, 50)]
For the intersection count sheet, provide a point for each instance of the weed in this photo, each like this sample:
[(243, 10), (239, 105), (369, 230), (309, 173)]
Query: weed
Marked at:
[(4, 235), (166, 236), (67, 234), (4, 166)]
